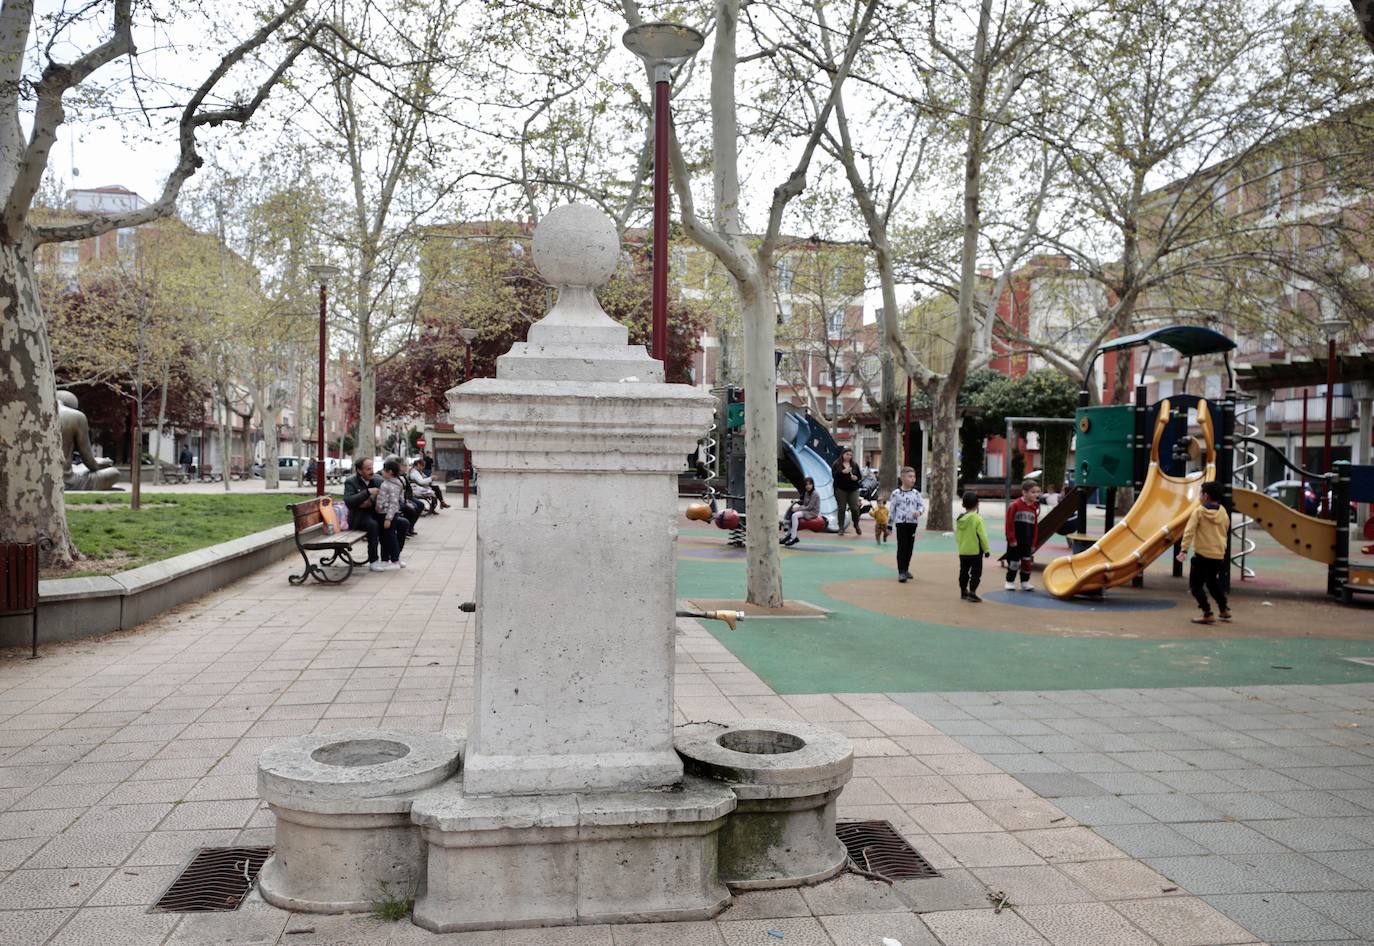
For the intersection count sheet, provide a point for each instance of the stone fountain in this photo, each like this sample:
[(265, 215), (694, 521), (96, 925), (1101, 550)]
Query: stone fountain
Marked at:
[(571, 804)]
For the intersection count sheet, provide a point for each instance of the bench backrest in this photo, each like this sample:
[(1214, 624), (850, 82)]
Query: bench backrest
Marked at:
[(306, 515), (18, 577)]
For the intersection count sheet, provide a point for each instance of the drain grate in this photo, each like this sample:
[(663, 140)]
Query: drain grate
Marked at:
[(879, 849), (216, 880)]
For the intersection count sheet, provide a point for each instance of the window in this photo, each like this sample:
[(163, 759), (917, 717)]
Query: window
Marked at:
[(1273, 188), (125, 239), (786, 272), (1212, 387), (1334, 167), (71, 253), (834, 323)]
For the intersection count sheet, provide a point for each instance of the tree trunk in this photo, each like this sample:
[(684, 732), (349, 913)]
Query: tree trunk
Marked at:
[(161, 422), (888, 407), (271, 446), (761, 444), (943, 460), (226, 437), (367, 407), (31, 464)]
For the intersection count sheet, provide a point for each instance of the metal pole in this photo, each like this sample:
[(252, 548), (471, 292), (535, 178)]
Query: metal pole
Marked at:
[(1326, 441), (1302, 456), (659, 339), (467, 457), (319, 411)]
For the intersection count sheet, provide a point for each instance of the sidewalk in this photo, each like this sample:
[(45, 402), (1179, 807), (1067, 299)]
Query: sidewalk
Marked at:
[(120, 756)]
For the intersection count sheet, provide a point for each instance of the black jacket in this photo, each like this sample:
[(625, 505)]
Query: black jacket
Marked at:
[(848, 482), (355, 491)]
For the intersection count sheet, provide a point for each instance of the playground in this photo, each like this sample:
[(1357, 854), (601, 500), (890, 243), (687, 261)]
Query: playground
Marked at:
[(882, 636)]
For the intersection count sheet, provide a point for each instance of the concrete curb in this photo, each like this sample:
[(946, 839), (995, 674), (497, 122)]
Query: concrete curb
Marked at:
[(76, 608)]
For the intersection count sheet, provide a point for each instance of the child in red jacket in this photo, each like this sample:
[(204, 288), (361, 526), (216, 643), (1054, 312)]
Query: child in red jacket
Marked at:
[(1022, 517)]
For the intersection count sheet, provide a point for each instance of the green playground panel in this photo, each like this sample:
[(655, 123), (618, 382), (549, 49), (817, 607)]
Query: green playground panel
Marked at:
[(1102, 445)]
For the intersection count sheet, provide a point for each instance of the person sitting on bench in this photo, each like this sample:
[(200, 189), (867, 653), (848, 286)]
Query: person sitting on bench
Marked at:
[(425, 488), (360, 495)]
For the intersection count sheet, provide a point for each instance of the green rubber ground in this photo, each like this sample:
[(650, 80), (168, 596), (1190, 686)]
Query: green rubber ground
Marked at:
[(856, 650)]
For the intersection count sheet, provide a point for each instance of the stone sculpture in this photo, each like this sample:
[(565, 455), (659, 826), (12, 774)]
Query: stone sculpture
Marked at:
[(93, 472)]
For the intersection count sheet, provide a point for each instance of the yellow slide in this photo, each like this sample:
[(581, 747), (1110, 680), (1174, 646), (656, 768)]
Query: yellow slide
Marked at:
[(1149, 530), (1308, 536)]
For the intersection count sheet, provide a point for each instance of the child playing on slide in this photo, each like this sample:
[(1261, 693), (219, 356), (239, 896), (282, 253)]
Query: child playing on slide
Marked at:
[(971, 539), (1208, 527), (1022, 516)]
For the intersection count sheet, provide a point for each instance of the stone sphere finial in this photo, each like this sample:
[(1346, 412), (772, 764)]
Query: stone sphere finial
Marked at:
[(576, 245)]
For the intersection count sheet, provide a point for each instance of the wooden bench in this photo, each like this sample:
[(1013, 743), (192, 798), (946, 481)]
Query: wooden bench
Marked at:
[(174, 474), (19, 583), (309, 522), (207, 474)]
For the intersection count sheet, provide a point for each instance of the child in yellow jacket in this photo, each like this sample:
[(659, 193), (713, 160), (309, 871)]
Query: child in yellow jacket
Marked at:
[(1206, 532)]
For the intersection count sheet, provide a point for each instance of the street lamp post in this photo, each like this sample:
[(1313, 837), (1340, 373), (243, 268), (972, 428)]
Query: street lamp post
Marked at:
[(322, 272), (662, 46), (468, 334), (1333, 328)]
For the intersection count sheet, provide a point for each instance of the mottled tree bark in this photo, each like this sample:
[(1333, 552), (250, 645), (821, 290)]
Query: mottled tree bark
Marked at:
[(32, 509)]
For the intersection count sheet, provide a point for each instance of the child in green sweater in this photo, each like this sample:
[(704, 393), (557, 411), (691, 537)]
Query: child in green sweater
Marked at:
[(971, 539)]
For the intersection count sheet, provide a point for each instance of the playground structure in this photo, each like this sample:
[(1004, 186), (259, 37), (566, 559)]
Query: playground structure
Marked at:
[(805, 449), (1150, 529), (1111, 454)]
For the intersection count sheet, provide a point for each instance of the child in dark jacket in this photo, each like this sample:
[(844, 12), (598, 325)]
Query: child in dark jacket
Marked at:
[(1022, 516)]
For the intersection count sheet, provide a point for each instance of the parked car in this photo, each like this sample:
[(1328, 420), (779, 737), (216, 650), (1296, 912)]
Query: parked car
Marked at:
[(286, 468)]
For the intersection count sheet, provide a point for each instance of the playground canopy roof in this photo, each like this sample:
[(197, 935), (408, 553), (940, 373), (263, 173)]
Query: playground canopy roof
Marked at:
[(1301, 372), (1187, 340)]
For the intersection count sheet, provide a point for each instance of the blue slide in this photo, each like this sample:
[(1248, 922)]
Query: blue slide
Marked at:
[(806, 449)]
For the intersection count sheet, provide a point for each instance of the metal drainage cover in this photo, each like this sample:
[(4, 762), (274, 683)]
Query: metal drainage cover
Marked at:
[(876, 847), (216, 880), (1366, 661)]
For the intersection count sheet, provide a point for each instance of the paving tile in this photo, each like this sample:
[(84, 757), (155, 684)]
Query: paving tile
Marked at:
[(1102, 809), (71, 849), (1153, 840), (1128, 783), (873, 929), (1174, 808), (955, 889), (799, 931), (982, 928), (1083, 924), (987, 850), (30, 927), (1294, 873), (987, 787), (1033, 884), (1354, 911), (1057, 845), (850, 893), (1017, 814), (1051, 785), (1118, 879), (766, 904), (135, 886), (1277, 916), (1024, 762), (253, 923), (918, 789), (1228, 837), (704, 933), (39, 889), (1191, 781), (1183, 921), (1314, 834), (1357, 865), (1213, 873), (951, 818)]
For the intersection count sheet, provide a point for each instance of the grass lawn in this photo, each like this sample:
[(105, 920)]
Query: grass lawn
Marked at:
[(114, 539)]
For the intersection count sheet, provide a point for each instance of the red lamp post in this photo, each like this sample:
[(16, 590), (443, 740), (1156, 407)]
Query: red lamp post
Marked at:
[(468, 334), (322, 272), (662, 46)]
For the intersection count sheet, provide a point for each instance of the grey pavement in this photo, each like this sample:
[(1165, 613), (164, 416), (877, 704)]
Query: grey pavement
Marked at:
[(1259, 800), (120, 756)]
